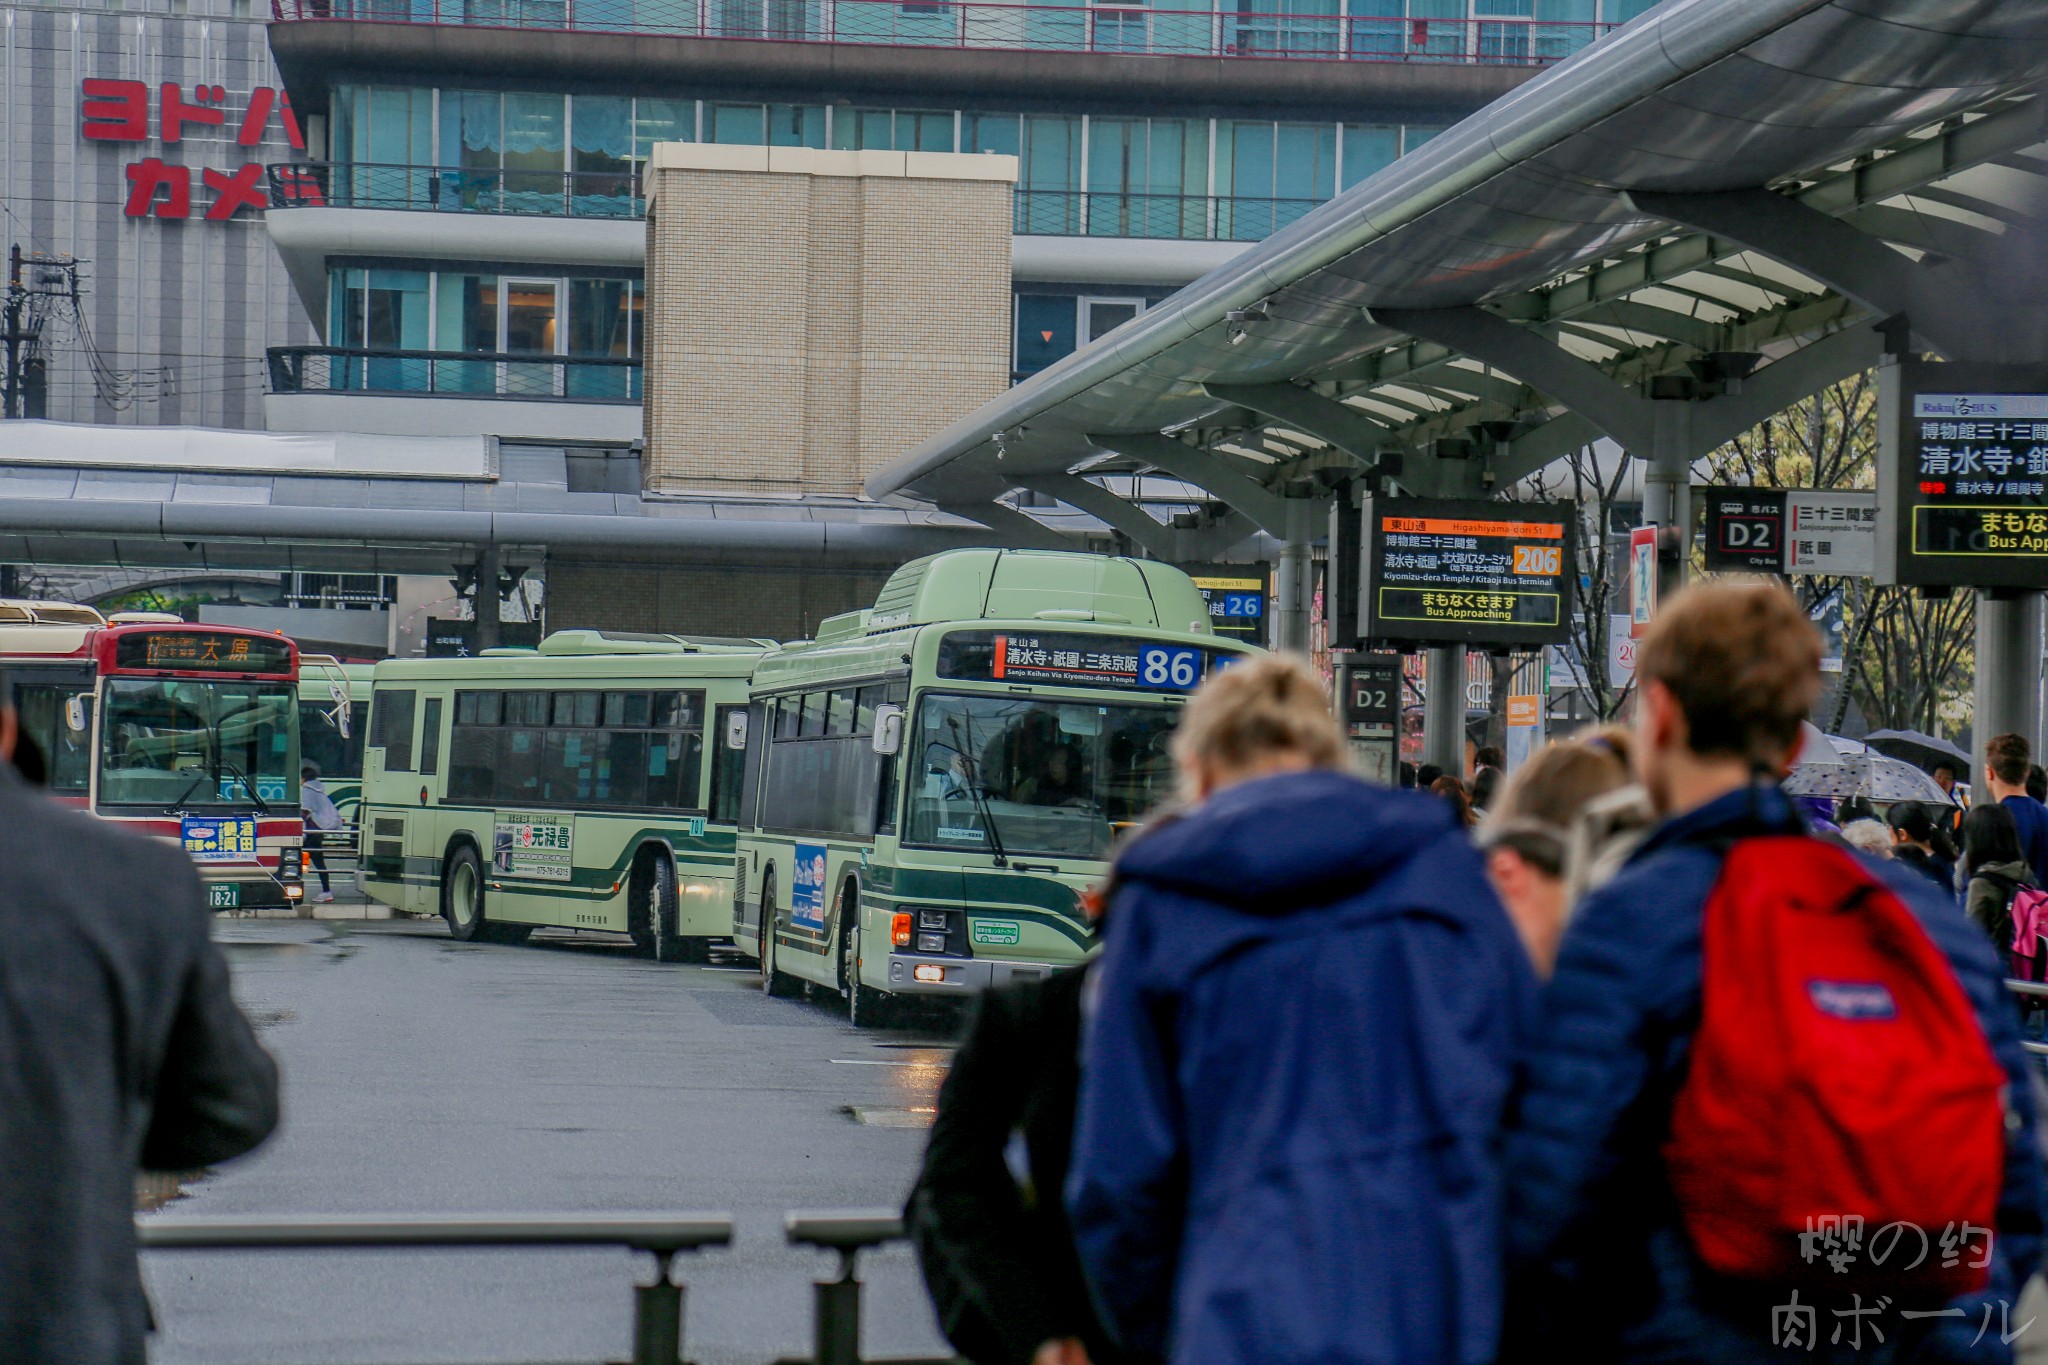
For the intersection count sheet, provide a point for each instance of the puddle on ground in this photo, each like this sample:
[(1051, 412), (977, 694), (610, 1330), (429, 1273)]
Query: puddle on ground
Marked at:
[(878, 1117)]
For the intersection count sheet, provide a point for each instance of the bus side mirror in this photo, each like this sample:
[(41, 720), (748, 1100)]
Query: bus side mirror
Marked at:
[(736, 730), (888, 729), (74, 713)]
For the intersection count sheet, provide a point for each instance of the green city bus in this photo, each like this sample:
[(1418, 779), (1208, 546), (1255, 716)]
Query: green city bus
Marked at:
[(930, 784), (568, 786), (334, 703)]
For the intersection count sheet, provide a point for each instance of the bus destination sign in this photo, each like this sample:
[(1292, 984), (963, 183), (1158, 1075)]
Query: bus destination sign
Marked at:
[(195, 651), (1963, 491), (1466, 572), (1071, 660)]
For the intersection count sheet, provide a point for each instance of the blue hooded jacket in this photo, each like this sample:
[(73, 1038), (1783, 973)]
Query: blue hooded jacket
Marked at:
[(1604, 1269), (1293, 1081)]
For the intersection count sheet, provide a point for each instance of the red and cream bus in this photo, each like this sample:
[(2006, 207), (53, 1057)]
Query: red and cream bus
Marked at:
[(187, 732)]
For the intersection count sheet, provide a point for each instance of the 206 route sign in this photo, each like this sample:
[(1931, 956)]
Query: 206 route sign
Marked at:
[(1466, 572), (1963, 475)]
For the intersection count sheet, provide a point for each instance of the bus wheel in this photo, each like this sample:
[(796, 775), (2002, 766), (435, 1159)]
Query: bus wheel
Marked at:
[(866, 1007), (773, 980), (462, 895), (651, 913)]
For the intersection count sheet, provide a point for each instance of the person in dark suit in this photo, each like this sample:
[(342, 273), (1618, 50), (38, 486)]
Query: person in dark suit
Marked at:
[(120, 1046), (986, 1215)]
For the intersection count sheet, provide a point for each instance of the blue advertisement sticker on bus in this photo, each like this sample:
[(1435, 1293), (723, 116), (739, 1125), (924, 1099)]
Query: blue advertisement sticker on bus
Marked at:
[(219, 839), (807, 888)]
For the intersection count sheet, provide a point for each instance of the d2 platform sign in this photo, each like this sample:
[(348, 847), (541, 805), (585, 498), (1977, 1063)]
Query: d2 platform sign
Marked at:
[(1745, 529), (1963, 475), (1466, 572)]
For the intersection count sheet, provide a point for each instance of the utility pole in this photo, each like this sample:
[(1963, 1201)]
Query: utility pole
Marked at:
[(14, 336), (50, 278)]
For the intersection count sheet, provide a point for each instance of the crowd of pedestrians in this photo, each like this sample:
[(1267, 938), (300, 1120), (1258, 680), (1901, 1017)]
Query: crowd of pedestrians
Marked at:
[(1645, 1064)]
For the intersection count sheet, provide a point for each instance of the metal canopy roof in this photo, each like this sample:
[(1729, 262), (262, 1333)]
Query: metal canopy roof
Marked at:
[(1522, 278)]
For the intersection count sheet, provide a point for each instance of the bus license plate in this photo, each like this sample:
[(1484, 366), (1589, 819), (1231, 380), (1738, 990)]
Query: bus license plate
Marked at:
[(224, 896)]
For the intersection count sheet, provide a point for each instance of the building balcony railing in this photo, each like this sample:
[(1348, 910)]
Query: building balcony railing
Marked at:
[(453, 374), (455, 189), (984, 25), (607, 194)]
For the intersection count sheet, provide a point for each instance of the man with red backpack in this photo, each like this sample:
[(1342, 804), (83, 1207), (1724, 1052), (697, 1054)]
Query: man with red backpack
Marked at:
[(1766, 1069)]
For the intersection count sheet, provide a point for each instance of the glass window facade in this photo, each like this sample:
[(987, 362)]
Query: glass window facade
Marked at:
[(456, 313)]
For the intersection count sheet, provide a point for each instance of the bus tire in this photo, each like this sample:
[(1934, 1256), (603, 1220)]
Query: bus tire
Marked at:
[(866, 1007), (462, 894), (651, 909), (774, 981)]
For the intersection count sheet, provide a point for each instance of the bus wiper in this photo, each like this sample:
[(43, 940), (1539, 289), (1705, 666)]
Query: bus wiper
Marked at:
[(989, 831), (190, 787), (248, 785)]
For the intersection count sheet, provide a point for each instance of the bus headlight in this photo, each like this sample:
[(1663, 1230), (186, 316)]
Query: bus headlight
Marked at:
[(932, 919), (929, 971), (294, 891), (931, 943)]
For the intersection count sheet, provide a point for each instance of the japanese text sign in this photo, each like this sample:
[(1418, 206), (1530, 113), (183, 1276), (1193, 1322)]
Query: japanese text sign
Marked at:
[(1963, 475), (119, 111), (1468, 572)]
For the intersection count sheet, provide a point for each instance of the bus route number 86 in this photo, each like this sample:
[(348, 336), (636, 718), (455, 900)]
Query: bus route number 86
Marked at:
[(1161, 666)]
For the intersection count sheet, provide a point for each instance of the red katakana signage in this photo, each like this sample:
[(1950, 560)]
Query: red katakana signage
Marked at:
[(119, 111)]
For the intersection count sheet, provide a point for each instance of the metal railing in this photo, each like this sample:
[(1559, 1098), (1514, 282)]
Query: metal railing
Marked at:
[(606, 194), (2030, 990), (657, 1307), (987, 25), (1092, 213), (453, 374), (455, 189)]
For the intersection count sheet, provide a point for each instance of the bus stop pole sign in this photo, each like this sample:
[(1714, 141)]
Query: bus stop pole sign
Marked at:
[(1962, 475)]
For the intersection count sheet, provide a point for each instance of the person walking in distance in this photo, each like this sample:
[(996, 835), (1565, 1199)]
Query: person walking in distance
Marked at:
[(2006, 761), (322, 819), (1919, 841), (120, 1046), (1293, 1078), (1751, 1031)]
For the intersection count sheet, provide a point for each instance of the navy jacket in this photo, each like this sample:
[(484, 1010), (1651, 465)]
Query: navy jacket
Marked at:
[(1600, 1257), (2032, 818), (1293, 1080)]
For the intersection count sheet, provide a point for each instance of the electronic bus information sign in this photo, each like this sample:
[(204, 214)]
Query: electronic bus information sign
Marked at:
[(1466, 572), (1963, 475), (196, 651), (1074, 660)]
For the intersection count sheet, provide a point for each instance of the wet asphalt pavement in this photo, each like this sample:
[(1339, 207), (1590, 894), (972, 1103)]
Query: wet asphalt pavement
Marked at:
[(424, 1076)]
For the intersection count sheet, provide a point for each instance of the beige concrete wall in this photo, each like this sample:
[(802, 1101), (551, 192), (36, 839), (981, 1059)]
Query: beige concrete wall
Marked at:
[(812, 315), (785, 604)]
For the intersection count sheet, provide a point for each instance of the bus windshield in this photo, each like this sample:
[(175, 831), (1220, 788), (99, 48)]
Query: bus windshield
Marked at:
[(179, 743), (1020, 775)]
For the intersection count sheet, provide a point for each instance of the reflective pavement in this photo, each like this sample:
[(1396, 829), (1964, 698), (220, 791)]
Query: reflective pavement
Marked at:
[(565, 1076)]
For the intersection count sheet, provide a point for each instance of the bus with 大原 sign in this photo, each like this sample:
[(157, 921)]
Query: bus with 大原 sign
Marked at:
[(187, 732)]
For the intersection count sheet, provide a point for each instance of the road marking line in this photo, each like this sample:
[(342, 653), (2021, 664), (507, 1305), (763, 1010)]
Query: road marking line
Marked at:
[(871, 1061)]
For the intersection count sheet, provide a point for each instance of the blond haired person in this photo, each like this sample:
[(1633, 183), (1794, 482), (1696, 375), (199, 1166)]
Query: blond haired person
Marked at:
[(1296, 1068), (1527, 836)]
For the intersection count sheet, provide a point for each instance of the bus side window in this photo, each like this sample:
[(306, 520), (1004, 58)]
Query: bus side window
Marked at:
[(887, 786), (391, 727), (430, 743), (727, 769), (67, 757), (760, 724)]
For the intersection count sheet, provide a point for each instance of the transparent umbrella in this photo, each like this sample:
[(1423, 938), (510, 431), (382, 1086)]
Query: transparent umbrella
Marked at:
[(1871, 776)]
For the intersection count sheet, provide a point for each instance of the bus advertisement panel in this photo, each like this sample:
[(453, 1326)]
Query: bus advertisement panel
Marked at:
[(186, 732), (925, 800), (570, 786)]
